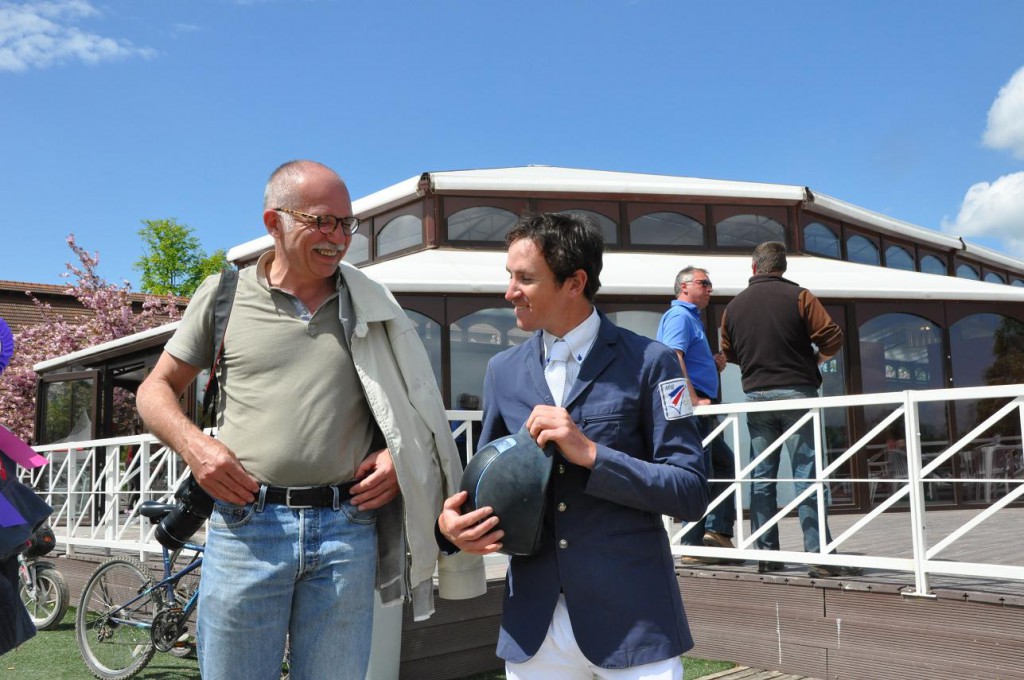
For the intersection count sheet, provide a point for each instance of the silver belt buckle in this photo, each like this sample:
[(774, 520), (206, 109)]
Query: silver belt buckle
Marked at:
[(288, 497)]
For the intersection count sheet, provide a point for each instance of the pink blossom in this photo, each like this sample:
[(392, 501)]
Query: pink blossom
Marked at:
[(112, 317)]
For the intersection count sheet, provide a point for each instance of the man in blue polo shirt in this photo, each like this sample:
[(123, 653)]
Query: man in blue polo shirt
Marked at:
[(682, 330)]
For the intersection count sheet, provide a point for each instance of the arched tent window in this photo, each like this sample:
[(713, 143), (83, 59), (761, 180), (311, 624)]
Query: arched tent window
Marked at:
[(666, 229), (862, 250), (641, 322), (481, 223), (474, 339), (358, 249), (483, 333), (966, 271), (898, 257), (933, 265), (994, 277), (900, 352), (984, 349), (1017, 282), (821, 239), (608, 228), (429, 332), (747, 231), (405, 231)]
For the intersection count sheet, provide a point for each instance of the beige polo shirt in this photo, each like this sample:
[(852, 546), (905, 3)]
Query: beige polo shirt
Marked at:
[(291, 405)]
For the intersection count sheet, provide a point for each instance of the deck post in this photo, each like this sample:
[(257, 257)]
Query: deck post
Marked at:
[(912, 435)]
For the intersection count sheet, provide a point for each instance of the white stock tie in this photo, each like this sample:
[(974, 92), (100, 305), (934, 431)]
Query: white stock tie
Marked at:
[(556, 370)]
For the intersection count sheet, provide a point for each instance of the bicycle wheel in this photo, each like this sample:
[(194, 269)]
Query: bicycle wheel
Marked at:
[(113, 636), (50, 602)]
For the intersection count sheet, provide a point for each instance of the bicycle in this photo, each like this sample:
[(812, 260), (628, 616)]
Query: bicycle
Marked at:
[(42, 588), (126, 614)]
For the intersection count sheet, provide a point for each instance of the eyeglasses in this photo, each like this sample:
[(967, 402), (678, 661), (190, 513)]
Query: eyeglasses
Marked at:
[(326, 224), (706, 283)]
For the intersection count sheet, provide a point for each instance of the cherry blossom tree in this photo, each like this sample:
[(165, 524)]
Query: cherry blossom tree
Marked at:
[(57, 335)]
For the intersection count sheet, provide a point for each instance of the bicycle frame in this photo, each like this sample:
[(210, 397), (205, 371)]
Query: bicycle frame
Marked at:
[(167, 585)]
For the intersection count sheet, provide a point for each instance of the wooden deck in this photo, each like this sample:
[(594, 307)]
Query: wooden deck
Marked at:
[(788, 624), (866, 627)]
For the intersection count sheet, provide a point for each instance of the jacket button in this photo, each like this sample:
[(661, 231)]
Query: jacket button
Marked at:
[(561, 507), (563, 543), (561, 469)]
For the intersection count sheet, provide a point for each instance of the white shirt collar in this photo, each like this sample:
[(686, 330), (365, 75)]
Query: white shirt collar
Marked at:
[(581, 339)]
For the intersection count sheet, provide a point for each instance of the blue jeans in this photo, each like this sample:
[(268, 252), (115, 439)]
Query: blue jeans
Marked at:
[(719, 463), (765, 428), (271, 570)]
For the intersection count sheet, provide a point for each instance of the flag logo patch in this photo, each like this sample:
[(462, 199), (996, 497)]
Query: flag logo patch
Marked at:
[(675, 399)]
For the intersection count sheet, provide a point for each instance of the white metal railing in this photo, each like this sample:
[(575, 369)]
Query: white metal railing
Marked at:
[(93, 492), (925, 559)]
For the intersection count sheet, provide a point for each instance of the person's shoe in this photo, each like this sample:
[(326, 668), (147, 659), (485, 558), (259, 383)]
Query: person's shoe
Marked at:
[(713, 539), (830, 571), (765, 567), (694, 561)]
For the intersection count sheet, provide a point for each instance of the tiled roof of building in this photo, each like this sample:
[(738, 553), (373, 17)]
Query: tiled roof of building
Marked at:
[(19, 311)]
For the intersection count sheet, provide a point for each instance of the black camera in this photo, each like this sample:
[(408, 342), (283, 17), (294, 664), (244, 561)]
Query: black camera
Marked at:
[(193, 508)]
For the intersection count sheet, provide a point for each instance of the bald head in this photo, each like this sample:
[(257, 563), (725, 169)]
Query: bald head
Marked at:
[(284, 188)]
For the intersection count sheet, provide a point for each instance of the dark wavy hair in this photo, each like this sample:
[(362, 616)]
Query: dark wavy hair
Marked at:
[(568, 242)]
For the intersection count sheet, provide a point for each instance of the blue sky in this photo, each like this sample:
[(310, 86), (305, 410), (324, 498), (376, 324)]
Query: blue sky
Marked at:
[(118, 111)]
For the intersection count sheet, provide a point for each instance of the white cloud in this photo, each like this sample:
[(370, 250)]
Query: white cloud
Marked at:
[(994, 210), (186, 28), (41, 34), (1006, 117)]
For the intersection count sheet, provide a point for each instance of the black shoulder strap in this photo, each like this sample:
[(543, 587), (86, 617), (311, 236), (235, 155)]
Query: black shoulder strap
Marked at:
[(221, 313)]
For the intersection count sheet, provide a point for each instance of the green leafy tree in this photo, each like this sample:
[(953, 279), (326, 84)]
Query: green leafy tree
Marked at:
[(174, 263)]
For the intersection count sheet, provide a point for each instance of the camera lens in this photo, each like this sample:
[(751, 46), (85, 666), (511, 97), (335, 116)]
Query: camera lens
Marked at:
[(193, 508)]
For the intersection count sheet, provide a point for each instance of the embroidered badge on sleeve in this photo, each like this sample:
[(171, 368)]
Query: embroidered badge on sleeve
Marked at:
[(675, 399)]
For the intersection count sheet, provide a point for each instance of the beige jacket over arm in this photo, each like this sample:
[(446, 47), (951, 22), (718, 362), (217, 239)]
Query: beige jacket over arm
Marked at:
[(402, 393)]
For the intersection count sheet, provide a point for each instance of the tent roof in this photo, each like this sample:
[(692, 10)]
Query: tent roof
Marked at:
[(536, 179), (631, 273)]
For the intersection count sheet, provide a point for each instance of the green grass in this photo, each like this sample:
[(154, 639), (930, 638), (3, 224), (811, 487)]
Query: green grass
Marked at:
[(54, 654)]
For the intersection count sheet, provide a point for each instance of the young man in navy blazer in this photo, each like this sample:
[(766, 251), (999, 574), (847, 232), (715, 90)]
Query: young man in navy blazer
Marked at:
[(600, 597)]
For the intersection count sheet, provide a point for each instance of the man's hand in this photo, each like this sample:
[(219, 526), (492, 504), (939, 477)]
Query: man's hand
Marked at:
[(554, 424), (213, 464), (720, 361), (218, 471), (473, 532), (378, 481)]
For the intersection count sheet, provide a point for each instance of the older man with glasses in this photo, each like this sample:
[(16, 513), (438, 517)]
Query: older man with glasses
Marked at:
[(327, 471), (682, 330)]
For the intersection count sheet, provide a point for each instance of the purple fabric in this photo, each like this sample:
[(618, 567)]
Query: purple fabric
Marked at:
[(18, 451), (9, 515), (6, 344)]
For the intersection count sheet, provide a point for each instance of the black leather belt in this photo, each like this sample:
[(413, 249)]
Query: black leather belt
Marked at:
[(309, 496)]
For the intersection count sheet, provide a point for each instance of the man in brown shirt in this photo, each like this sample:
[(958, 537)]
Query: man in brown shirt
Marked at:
[(779, 333)]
